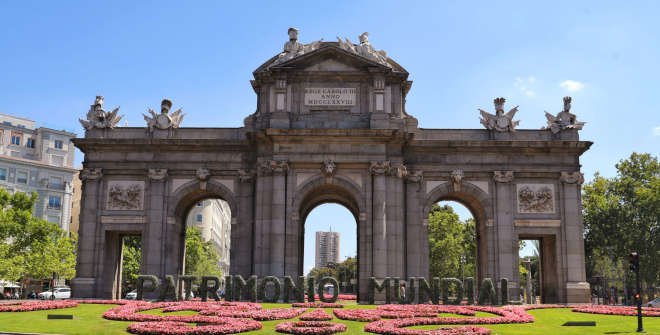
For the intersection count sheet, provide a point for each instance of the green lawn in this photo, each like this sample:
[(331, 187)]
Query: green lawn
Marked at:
[(88, 320)]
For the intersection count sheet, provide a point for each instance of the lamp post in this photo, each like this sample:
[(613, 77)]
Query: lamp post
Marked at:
[(527, 262)]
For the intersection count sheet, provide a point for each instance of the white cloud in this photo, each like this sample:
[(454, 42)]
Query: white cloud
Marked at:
[(571, 85), (656, 131), (523, 84)]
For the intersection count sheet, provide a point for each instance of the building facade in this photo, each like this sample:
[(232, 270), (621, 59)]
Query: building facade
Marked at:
[(38, 160), (327, 248), (331, 126), (213, 218)]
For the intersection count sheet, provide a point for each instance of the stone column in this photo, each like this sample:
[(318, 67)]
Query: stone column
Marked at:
[(84, 284), (396, 221), (278, 218), (577, 289), (417, 246), (155, 241), (504, 206), (242, 240), (379, 218), (262, 210)]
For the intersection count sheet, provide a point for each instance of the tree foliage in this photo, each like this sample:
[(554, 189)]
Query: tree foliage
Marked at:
[(452, 244), (201, 257), (621, 215), (344, 272), (29, 246)]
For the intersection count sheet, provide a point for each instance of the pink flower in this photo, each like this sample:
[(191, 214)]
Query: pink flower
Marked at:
[(316, 315), (310, 327)]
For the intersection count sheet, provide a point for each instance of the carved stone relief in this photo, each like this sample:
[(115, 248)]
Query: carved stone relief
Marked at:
[(456, 179), (328, 168), (536, 198), (125, 195)]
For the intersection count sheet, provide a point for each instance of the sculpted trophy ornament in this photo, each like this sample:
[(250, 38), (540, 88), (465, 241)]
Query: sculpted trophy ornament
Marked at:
[(364, 49), (564, 120), (97, 117), (500, 121), (164, 120), (293, 48)]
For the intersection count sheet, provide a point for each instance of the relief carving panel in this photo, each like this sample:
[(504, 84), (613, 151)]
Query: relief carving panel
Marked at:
[(536, 198), (125, 195)]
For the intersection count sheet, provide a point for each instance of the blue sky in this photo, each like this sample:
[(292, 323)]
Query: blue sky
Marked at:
[(56, 56)]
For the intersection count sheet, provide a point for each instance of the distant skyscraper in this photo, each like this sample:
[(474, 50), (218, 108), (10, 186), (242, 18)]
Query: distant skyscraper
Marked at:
[(327, 248)]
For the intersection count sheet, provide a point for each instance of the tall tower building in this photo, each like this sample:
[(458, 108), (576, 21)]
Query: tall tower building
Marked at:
[(327, 248)]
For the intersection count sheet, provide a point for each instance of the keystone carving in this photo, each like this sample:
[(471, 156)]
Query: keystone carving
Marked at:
[(501, 121), (203, 174), (157, 174), (328, 168), (91, 174), (503, 176), (457, 179), (379, 168), (572, 177)]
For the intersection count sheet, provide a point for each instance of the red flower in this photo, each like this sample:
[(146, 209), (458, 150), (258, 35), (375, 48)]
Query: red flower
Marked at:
[(310, 327)]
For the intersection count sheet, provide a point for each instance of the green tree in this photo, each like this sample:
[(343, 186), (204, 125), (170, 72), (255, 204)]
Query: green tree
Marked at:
[(201, 257), (29, 246), (452, 244), (131, 260), (621, 215)]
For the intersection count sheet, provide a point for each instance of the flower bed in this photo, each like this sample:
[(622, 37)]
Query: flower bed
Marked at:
[(316, 315), (396, 327), (30, 306), (317, 305), (617, 310), (347, 296), (310, 327), (220, 326)]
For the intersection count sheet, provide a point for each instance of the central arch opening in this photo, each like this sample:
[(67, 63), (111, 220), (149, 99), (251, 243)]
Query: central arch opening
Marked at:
[(330, 245), (453, 241)]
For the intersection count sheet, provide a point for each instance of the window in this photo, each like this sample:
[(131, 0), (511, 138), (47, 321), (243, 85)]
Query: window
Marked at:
[(2, 136), (199, 217), (58, 144), (3, 174), (57, 160), (16, 138), (21, 177), (54, 202), (30, 142), (55, 182), (53, 218)]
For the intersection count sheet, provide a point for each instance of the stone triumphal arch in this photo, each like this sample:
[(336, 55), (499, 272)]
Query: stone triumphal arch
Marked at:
[(331, 126)]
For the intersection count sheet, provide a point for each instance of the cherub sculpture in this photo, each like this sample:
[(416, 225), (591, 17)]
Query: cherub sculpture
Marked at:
[(164, 120), (500, 121), (97, 117), (564, 119)]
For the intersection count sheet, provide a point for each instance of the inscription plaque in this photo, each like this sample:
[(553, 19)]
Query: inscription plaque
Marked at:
[(328, 96)]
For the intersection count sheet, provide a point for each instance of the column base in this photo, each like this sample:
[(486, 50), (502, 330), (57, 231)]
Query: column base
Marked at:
[(83, 287), (578, 292)]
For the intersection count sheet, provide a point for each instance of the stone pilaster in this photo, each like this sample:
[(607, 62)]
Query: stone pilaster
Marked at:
[(417, 248), (155, 251), (279, 170), (379, 217), (577, 289), (504, 232), (84, 284)]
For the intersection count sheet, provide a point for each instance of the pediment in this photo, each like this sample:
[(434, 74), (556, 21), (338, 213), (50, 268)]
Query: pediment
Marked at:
[(331, 65), (329, 57)]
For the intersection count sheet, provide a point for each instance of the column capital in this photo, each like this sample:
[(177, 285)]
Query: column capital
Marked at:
[(503, 176), (575, 177), (379, 167), (245, 176), (398, 170), (91, 174), (415, 176), (273, 167), (157, 174)]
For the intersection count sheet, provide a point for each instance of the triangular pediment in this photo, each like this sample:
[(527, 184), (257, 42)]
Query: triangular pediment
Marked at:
[(331, 65), (329, 57)]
